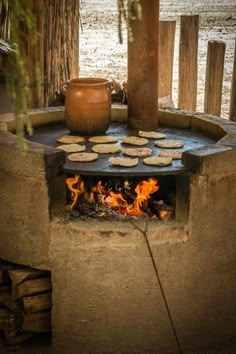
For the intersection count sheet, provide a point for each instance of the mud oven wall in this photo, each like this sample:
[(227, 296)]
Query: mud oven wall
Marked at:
[(105, 294)]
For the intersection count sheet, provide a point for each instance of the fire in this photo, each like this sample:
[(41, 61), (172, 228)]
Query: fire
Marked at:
[(75, 191), (143, 191), (111, 199)]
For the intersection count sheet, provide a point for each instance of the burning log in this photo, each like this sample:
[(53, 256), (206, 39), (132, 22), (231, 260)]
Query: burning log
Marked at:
[(116, 197), (164, 211)]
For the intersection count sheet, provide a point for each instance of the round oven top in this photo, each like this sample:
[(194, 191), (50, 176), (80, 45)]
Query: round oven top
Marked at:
[(49, 134)]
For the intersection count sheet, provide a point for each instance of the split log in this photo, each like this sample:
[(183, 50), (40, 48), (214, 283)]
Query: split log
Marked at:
[(8, 323), (188, 55), (4, 315), (214, 77), (34, 286), (17, 276), (38, 302), (6, 299), (37, 321)]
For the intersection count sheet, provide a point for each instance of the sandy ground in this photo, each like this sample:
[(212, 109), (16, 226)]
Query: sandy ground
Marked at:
[(101, 54)]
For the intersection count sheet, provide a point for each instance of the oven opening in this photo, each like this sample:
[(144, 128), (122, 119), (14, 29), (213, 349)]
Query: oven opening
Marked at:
[(124, 197)]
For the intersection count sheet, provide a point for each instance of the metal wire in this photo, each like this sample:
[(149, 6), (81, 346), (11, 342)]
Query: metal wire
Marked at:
[(160, 285)]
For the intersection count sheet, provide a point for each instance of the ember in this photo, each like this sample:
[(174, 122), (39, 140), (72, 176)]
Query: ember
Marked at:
[(112, 197)]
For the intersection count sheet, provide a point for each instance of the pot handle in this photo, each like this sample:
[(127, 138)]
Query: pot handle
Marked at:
[(64, 87)]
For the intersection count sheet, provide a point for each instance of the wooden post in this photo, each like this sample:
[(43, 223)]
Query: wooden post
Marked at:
[(232, 110), (166, 57), (188, 55), (214, 77), (143, 68)]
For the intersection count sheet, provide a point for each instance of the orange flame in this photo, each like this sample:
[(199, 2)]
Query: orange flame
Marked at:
[(75, 192), (143, 190), (113, 200)]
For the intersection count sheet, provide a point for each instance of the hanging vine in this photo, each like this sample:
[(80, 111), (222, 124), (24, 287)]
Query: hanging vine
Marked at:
[(23, 37)]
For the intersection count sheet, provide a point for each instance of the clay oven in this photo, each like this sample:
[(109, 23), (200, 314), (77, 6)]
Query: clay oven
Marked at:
[(104, 290)]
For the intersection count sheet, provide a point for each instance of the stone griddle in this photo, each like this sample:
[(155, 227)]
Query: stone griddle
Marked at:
[(49, 133)]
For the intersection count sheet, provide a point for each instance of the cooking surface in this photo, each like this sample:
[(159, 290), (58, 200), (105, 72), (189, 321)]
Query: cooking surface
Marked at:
[(49, 133)]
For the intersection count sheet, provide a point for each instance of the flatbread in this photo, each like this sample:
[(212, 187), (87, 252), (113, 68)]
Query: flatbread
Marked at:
[(169, 144), (72, 147), (123, 161), (103, 139), (174, 154), (134, 140), (151, 135), (70, 139), (83, 157), (157, 161), (106, 148), (139, 152)]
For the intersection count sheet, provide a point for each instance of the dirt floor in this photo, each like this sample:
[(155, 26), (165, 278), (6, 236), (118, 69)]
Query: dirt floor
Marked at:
[(101, 54)]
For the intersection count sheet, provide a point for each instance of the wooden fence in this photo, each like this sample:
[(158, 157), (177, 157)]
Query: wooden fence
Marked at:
[(188, 65)]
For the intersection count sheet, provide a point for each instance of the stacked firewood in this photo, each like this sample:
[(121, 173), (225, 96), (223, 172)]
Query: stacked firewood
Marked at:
[(25, 302)]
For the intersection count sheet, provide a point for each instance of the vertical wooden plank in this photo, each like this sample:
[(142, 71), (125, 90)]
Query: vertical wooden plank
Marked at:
[(188, 59), (232, 110), (166, 57), (143, 68), (214, 77)]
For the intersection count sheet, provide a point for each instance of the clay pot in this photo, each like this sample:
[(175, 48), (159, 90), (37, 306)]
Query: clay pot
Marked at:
[(87, 105)]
